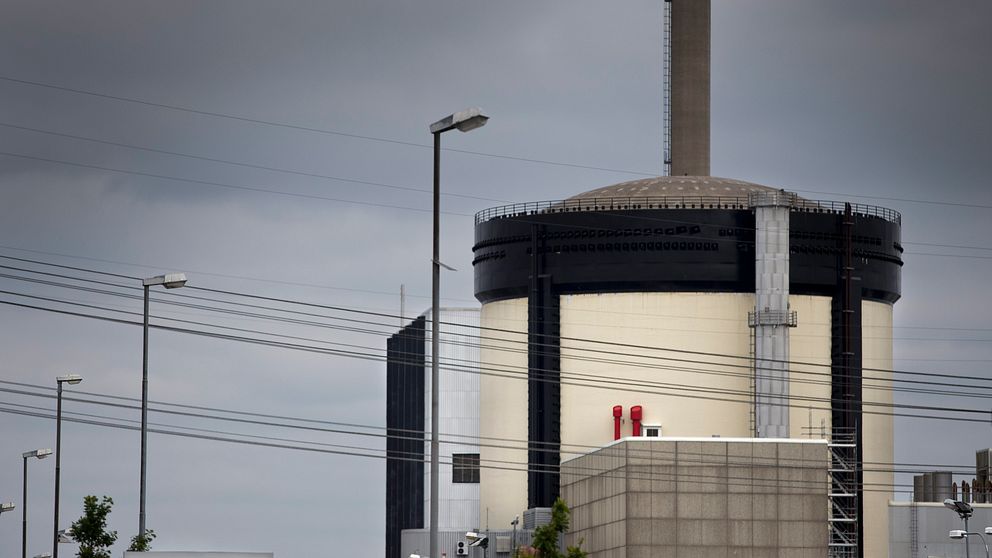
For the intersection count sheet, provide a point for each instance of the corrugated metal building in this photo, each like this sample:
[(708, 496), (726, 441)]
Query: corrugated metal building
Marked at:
[(408, 423)]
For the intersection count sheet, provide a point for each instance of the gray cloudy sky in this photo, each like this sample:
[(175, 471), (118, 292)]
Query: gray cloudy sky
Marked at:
[(883, 100)]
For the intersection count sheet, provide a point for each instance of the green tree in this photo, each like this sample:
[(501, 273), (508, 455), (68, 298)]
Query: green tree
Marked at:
[(546, 536), (141, 543), (90, 530)]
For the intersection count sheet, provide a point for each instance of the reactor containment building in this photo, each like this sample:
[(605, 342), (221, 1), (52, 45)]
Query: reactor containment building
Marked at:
[(690, 306)]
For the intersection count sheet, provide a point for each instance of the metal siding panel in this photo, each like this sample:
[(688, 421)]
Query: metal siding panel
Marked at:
[(459, 407)]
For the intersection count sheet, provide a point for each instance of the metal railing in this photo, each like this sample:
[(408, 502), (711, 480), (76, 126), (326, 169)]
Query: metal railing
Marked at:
[(772, 317), (674, 202)]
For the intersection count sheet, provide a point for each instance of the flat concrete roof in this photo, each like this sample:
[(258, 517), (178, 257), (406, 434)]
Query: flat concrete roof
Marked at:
[(711, 439)]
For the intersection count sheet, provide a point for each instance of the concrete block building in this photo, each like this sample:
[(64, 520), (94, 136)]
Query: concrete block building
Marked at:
[(700, 497)]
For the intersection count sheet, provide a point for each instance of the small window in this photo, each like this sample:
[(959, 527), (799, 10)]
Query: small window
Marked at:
[(465, 468), (651, 431)]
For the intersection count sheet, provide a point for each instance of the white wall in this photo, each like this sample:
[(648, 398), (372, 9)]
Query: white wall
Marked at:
[(503, 410), (672, 386), (459, 414), (934, 521), (876, 325), (687, 394)]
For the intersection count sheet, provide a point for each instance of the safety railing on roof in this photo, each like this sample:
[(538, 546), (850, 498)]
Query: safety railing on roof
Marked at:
[(673, 202)]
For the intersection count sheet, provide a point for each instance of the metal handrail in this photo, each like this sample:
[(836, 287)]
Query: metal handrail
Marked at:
[(675, 202)]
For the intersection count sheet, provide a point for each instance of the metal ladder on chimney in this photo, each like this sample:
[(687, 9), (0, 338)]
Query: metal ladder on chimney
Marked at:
[(843, 517), (753, 386), (666, 56)]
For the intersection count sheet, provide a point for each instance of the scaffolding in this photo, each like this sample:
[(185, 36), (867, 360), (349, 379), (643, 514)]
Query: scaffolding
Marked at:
[(843, 517)]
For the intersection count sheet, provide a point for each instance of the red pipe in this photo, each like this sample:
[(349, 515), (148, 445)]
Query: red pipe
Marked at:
[(635, 417), (617, 414)]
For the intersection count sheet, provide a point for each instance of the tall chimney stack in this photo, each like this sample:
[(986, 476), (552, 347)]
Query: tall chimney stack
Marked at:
[(690, 83)]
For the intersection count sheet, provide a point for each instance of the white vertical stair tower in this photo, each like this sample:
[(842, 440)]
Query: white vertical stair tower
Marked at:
[(771, 318)]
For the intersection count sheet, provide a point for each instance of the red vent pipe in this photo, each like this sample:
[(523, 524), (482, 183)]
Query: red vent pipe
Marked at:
[(635, 417), (617, 415)]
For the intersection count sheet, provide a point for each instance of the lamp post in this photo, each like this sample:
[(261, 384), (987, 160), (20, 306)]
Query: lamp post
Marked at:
[(71, 379), (964, 534), (463, 121), (513, 540), (37, 454), (169, 281)]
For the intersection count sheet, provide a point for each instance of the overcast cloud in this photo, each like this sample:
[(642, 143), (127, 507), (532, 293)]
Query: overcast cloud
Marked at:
[(883, 100)]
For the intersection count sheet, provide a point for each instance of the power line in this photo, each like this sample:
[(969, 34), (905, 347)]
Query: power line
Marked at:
[(421, 145), (956, 377), (341, 449), (597, 381), (226, 185), (377, 332), (383, 432), (350, 180), (207, 273), (394, 294), (243, 164), (309, 128)]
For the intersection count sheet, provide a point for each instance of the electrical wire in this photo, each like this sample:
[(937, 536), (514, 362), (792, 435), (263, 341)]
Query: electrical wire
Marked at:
[(697, 478), (381, 431), (596, 381), (625, 362), (311, 129)]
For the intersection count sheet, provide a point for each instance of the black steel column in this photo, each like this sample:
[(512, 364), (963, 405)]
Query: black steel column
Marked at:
[(543, 380), (846, 373)]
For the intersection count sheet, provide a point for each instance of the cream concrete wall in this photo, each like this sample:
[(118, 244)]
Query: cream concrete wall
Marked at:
[(503, 411), (672, 387), (672, 392), (702, 322), (876, 325), (809, 375)]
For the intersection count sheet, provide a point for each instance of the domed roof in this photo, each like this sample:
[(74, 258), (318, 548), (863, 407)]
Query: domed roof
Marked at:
[(674, 186)]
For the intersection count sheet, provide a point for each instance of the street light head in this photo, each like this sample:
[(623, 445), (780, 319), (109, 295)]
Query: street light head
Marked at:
[(961, 508), (43, 555), (66, 535), (39, 453), (169, 280), (9, 506), (957, 534), (71, 379), (988, 530), (464, 121), (475, 539)]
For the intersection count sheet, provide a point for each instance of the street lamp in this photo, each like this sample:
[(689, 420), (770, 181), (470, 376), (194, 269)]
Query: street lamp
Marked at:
[(169, 281), (964, 511), (463, 121), (963, 534), (513, 541), (6, 507), (71, 379), (37, 454)]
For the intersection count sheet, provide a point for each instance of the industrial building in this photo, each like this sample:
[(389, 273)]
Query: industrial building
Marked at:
[(713, 306), (919, 528), (646, 497), (408, 423), (646, 294), (685, 307)]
